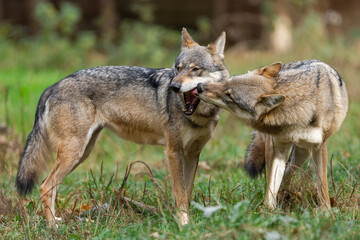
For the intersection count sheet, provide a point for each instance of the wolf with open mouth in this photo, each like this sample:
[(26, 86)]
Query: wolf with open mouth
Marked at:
[(198, 64), (135, 103)]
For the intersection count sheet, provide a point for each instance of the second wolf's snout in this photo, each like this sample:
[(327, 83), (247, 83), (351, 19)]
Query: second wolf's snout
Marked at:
[(200, 88)]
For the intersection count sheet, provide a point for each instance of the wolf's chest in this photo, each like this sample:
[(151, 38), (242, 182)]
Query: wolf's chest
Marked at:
[(303, 137)]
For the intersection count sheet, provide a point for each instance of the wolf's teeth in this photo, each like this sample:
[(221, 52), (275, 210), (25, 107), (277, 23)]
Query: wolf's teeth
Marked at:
[(184, 109)]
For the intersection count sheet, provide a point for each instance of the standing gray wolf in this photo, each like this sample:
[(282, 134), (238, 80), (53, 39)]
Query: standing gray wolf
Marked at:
[(299, 105), (136, 103)]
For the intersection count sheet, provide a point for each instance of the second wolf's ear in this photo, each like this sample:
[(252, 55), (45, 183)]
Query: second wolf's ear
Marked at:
[(270, 71), (187, 41), (218, 46), (272, 100)]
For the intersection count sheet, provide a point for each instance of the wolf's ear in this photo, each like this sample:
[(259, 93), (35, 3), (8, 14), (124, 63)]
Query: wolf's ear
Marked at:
[(272, 100), (218, 46), (187, 41), (270, 71)]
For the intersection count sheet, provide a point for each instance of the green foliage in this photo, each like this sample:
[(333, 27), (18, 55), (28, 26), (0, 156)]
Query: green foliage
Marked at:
[(60, 46), (50, 20), (142, 44)]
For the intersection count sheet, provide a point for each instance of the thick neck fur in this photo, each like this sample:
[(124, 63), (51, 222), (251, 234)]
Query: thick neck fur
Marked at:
[(298, 107), (205, 114)]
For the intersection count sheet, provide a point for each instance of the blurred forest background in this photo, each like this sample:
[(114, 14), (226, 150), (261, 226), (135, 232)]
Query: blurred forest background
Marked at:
[(79, 33)]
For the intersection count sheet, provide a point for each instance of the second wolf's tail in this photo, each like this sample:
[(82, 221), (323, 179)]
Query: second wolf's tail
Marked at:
[(255, 155), (35, 153)]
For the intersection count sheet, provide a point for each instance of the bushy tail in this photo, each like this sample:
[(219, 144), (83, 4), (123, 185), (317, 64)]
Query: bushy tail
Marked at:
[(31, 162), (255, 155), (35, 153)]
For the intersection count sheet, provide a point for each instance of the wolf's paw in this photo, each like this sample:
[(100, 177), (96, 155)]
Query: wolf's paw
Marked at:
[(54, 223), (183, 218), (270, 203)]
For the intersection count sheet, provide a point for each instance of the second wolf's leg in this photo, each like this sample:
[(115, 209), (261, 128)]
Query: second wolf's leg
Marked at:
[(297, 158), (320, 157), (276, 171)]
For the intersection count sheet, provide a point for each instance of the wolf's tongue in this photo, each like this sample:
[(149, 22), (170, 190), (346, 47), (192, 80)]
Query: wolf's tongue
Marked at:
[(192, 96), (191, 101)]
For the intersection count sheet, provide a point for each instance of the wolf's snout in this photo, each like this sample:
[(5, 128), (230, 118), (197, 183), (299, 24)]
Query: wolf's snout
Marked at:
[(175, 87), (200, 88)]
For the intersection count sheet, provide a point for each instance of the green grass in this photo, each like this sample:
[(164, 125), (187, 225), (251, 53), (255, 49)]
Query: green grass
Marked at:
[(98, 181)]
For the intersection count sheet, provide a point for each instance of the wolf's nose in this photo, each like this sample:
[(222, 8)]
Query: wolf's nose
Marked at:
[(175, 87), (200, 88)]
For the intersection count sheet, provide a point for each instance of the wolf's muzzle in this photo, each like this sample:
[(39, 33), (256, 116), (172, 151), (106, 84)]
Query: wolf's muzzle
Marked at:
[(175, 87)]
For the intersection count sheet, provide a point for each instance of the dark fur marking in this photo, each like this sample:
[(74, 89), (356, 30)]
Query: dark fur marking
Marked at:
[(339, 78), (168, 98), (317, 80), (313, 120)]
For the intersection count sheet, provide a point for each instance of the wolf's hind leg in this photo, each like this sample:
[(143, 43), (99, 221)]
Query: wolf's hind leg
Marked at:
[(297, 158), (320, 157), (70, 153)]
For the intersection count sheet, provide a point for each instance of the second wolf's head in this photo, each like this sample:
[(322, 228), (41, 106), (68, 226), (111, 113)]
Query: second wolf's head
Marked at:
[(198, 64), (247, 96)]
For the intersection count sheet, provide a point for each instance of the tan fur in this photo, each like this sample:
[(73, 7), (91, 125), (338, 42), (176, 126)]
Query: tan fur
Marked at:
[(299, 107)]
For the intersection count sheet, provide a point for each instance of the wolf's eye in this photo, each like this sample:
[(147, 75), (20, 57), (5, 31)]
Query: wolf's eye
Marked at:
[(195, 69)]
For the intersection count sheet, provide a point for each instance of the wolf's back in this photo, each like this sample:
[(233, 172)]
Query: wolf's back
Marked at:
[(36, 150)]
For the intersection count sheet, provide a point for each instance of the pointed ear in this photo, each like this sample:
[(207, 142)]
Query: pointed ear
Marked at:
[(270, 71), (218, 46), (272, 100), (187, 41)]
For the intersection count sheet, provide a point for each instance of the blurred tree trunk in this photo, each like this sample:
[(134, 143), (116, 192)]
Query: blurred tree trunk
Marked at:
[(219, 15), (281, 38), (108, 19), (30, 6)]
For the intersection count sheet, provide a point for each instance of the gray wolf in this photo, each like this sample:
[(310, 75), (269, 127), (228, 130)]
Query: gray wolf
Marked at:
[(136, 103), (298, 105)]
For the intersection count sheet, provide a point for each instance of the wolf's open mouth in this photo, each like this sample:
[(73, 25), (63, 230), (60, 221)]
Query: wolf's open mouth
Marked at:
[(192, 100)]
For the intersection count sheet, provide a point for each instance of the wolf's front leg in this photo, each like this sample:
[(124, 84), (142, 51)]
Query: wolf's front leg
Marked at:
[(276, 172), (175, 156), (192, 154)]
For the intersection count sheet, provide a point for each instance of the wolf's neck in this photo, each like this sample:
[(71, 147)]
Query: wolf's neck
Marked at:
[(205, 114)]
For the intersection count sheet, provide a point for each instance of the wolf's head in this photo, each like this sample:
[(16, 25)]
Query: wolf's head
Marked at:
[(198, 64), (247, 96)]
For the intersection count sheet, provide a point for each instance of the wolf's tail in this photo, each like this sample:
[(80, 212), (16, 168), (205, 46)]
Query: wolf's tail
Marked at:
[(255, 155), (36, 151)]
